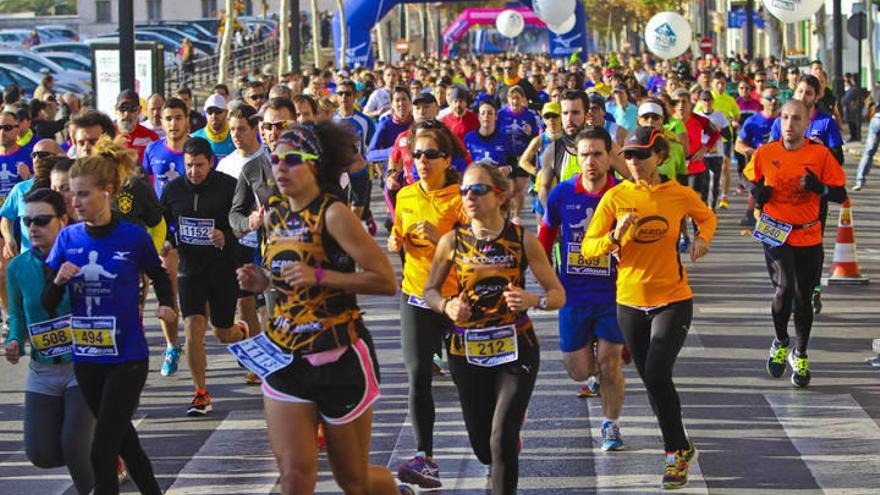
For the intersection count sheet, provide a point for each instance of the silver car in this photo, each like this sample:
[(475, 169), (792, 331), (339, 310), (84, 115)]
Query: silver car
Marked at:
[(39, 64)]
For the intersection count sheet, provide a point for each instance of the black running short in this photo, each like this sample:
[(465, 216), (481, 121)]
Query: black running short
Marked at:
[(217, 287)]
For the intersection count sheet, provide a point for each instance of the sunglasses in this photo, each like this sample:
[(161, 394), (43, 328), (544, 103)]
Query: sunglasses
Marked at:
[(256, 97), (344, 93), (38, 220), (636, 154), (214, 110), (280, 125), (651, 116), (478, 189), (291, 158), (429, 154), (38, 155), (760, 80), (128, 108), (8, 127), (770, 98)]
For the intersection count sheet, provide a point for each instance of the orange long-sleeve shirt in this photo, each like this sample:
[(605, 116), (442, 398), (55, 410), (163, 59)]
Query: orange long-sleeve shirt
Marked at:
[(650, 272), (441, 208)]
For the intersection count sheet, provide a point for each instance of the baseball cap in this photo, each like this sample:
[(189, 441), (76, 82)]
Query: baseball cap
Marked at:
[(650, 107), (551, 108), (642, 138), (216, 101), (595, 98), (424, 98), (680, 94), (128, 96)]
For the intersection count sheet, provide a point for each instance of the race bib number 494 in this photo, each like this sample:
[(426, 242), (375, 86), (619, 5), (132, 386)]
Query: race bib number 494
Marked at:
[(94, 336)]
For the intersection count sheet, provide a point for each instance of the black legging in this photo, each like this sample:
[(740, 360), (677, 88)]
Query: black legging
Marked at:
[(655, 338), (493, 403), (794, 272), (421, 335), (714, 165), (112, 392)]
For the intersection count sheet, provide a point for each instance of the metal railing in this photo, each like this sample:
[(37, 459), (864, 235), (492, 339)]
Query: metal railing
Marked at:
[(201, 74)]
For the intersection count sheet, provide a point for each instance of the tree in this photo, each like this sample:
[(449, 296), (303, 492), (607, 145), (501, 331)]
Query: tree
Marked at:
[(283, 37), (38, 7), (226, 42)]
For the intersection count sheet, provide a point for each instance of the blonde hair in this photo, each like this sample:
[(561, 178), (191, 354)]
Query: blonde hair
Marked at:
[(111, 163)]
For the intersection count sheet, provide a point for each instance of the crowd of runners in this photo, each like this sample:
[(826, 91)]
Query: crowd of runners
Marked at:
[(251, 211)]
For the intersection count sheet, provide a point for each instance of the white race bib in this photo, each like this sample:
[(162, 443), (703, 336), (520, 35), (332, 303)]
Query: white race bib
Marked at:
[(195, 231), (260, 355)]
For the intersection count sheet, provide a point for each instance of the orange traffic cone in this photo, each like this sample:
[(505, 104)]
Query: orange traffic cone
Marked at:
[(845, 265)]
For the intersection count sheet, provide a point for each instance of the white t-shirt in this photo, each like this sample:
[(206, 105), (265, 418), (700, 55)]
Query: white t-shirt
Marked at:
[(720, 122), (232, 164)]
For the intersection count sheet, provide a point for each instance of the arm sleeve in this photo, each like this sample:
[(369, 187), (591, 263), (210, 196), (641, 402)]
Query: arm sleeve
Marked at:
[(152, 266), (547, 237), (242, 205), (16, 310), (52, 294), (596, 241)]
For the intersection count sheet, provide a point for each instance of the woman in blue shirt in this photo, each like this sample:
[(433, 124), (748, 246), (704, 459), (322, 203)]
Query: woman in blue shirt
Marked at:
[(101, 261), (58, 425)]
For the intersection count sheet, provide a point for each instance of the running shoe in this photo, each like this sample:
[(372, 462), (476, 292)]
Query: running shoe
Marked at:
[(121, 471), (626, 355), (371, 226), (172, 358), (516, 221), (438, 365), (858, 186), (200, 405), (778, 355), (740, 189), (748, 220), (873, 362), (420, 471), (676, 467), (800, 370), (817, 300), (683, 244), (611, 439), (590, 388), (723, 202), (251, 378), (406, 490)]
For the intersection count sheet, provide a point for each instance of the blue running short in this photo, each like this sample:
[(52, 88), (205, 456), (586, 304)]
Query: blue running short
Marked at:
[(580, 325)]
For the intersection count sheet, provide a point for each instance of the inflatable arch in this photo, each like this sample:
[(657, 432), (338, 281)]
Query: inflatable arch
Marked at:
[(362, 15)]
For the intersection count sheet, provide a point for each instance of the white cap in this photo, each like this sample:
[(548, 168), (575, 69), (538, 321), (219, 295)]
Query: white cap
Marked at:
[(215, 100), (650, 107)]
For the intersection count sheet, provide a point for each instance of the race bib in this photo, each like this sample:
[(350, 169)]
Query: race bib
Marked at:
[(250, 240), (490, 347), (195, 231), (94, 335), (771, 232), (260, 355), (578, 264), (52, 338), (418, 302)]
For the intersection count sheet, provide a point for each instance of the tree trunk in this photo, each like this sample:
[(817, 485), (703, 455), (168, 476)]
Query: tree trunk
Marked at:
[(316, 34), (821, 37), (226, 42), (283, 37), (432, 29), (870, 52), (380, 41), (343, 33)]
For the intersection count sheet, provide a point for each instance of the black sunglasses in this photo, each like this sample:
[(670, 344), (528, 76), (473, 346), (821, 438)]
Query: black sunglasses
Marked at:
[(213, 110), (478, 189), (256, 97), (637, 154), (429, 154), (128, 108), (770, 98), (37, 155), (38, 220), (8, 127), (344, 93)]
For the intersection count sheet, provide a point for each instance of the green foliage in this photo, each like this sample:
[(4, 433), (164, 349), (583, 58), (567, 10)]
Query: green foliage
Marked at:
[(39, 7)]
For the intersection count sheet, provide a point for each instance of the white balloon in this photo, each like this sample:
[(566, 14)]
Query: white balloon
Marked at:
[(563, 28), (668, 35), (789, 11), (510, 23), (554, 12)]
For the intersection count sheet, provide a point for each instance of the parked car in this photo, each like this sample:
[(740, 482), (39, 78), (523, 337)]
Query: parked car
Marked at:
[(28, 81), (13, 38), (209, 24), (178, 35), (187, 27), (38, 64), (70, 61), (76, 47), (56, 32)]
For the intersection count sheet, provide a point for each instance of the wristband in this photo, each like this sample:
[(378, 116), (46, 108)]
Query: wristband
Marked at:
[(824, 191), (611, 238), (443, 306), (319, 276)]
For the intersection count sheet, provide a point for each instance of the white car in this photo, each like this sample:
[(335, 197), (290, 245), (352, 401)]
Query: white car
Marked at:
[(26, 80), (38, 64)]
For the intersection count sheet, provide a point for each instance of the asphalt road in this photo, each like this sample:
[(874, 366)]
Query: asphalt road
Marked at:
[(756, 435)]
